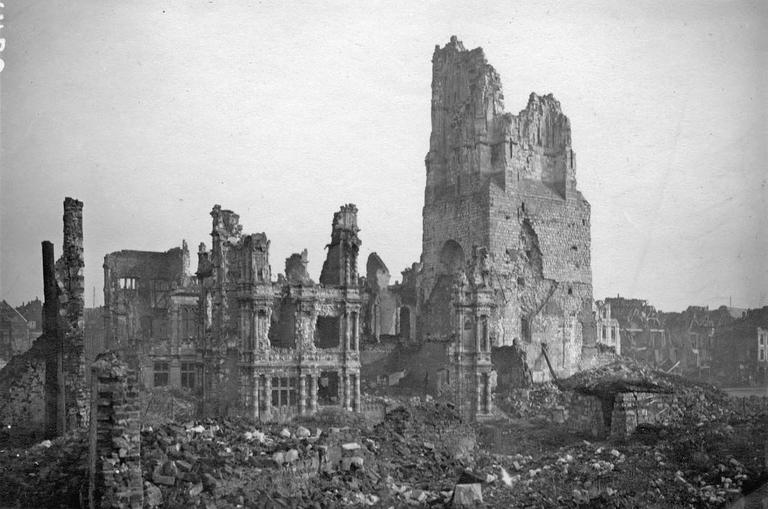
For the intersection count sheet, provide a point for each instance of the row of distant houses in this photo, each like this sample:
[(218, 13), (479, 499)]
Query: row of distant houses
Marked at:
[(724, 345), (19, 327)]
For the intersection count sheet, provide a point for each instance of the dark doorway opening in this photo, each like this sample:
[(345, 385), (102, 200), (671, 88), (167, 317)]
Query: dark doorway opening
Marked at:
[(328, 388), (405, 322)]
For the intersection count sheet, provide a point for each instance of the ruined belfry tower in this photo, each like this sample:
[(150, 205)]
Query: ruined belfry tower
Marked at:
[(502, 214)]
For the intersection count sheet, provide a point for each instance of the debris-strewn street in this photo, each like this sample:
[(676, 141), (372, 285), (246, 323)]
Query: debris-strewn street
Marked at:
[(708, 453)]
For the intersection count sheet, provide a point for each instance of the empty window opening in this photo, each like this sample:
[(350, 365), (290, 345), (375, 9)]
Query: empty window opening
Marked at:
[(405, 322), (525, 330), (128, 283), (484, 333), (158, 293), (162, 373), (283, 391), (570, 291), (521, 282), (328, 332), (188, 375), (355, 332), (328, 388), (188, 322)]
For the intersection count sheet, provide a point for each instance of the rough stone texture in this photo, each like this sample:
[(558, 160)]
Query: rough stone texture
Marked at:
[(507, 184), (22, 392), (52, 371), (271, 349), (115, 476), (382, 304), (70, 282), (615, 415), (586, 414)]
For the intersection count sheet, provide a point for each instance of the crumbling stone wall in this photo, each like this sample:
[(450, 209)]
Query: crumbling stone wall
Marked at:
[(137, 287), (151, 315), (46, 385), (382, 303), (615, 415), (586, 415), (633, 408), (505, 183), (22, 393), (115, 476)]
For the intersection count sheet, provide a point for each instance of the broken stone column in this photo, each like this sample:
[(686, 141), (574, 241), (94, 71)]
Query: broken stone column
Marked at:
[(114, 456)]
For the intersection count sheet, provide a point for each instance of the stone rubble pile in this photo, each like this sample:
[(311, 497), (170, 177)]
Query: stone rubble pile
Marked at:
[(421, 455)]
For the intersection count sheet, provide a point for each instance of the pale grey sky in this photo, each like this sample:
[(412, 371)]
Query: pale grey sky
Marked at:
[(153, 111)]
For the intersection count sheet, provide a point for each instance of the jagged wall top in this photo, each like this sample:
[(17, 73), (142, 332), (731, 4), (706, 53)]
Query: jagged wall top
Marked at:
[(473, 135)]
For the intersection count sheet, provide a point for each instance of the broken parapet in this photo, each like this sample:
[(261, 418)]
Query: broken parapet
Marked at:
[(114, 455), (296, 269), (340, 267)]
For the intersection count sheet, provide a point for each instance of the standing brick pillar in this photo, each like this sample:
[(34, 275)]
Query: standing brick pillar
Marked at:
[(69, 275), (114, 456)]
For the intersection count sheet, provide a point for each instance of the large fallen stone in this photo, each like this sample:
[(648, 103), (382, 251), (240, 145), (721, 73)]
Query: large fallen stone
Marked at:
[(291, 456), (153, 497), (467, 495)]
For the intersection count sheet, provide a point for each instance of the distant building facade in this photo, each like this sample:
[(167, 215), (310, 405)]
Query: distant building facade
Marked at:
[(607, 327), (151, 314), (15, 336)]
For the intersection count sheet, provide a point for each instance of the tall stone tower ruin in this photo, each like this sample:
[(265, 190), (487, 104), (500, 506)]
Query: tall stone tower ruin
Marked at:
[(501, 194)]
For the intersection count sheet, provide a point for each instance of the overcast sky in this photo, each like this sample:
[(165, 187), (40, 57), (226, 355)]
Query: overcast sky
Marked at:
[(151, 112)]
